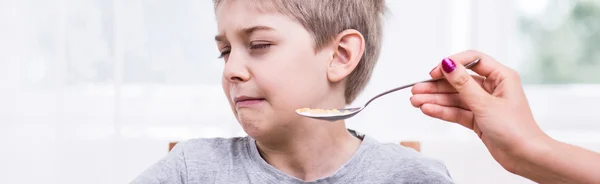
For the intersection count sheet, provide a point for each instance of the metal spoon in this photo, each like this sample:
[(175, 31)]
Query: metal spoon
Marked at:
[(349, 112)]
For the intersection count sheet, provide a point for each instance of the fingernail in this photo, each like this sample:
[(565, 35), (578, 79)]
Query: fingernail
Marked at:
[(448, 65)]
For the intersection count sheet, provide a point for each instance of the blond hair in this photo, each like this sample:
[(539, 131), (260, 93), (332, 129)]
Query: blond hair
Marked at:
[(325, 19)]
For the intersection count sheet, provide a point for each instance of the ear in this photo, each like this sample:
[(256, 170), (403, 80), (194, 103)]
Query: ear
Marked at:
[(349, 47)]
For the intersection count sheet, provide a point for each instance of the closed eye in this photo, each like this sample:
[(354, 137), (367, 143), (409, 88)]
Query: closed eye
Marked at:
[(260, 46), (224, 53)]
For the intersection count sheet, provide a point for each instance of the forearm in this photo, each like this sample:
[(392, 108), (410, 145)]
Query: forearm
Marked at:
[(558, 162)]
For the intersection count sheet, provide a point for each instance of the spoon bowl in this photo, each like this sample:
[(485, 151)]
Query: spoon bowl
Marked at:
[(344, 114)]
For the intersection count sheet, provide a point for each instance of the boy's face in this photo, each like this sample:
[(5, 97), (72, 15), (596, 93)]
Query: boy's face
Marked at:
[(271, 67)]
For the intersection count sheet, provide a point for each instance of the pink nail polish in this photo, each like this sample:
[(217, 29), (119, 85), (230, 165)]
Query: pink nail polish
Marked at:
[(448, 65)]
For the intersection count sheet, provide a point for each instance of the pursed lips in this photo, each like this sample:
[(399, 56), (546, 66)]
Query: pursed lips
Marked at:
[(246, 101)]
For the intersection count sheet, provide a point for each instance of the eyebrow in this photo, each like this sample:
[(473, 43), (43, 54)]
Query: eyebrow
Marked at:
[(244, 32)]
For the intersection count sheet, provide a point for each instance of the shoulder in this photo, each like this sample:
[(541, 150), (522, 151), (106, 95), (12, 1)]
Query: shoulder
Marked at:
[(203, 157), (404, 155), (213, 152), (406, 164)]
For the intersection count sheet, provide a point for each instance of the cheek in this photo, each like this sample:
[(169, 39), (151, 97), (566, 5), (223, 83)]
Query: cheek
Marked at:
[(302, 66), (300, 70), (307, 73), (295, 82)]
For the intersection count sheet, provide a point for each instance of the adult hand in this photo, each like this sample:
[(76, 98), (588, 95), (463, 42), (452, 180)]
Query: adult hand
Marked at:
[(494, 106)]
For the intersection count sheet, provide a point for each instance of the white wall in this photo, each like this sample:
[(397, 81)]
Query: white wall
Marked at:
[(95, 97)]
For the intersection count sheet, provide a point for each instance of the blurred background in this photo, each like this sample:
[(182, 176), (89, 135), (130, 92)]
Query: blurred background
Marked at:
[(92, 91)]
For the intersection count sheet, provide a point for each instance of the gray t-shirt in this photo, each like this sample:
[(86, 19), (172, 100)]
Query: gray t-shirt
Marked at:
[(237, 160)]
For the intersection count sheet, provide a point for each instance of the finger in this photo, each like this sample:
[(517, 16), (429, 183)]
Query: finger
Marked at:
[(448, 100), (450, 114), (486, 66), (469, 90), (440, 86)]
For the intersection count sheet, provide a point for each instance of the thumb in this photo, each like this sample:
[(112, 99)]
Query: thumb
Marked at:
[(468, 89)]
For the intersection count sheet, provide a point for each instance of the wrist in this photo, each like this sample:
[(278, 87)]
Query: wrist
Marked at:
[(531, 151)]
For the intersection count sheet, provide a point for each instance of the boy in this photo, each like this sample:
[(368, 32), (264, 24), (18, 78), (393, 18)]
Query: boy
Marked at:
[(283, 55)]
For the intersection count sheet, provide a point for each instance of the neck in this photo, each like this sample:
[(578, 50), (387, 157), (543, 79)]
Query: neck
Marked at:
[(312, 151)]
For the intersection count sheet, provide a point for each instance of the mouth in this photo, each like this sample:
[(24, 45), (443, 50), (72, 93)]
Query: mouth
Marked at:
[(245, 101)]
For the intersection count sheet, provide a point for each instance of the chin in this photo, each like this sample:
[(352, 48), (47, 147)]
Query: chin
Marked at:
[(258, 126), (252, 124)]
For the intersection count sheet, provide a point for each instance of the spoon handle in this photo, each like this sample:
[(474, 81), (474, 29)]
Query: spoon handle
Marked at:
[(468, 66)]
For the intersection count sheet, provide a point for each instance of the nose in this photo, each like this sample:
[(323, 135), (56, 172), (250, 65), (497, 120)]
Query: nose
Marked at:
[(236, 69)]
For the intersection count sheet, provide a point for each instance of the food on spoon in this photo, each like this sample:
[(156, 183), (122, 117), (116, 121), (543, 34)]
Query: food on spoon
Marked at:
[(322, 111)]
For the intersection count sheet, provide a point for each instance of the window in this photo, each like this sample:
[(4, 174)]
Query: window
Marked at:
[(555, 46), (562, 41)]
